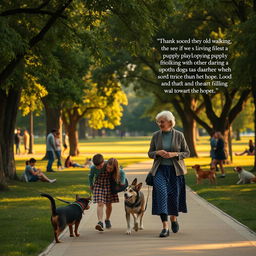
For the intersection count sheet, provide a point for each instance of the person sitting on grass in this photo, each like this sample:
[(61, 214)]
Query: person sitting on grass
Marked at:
[(70, 163), (34, 174), (249, 152)]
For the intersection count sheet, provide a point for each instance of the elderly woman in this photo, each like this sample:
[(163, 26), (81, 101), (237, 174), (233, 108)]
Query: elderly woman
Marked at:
[(168, 148)]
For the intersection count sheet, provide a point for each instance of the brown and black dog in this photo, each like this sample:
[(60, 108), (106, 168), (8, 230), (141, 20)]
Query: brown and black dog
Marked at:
[(67, 215), (200, 174)]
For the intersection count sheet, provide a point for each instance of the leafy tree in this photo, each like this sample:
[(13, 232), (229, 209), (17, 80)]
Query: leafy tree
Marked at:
[(102, 109), (244, 120), (21, 30), (29, 29)]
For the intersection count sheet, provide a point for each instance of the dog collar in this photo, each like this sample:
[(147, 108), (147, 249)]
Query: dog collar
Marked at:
[(82, 207)]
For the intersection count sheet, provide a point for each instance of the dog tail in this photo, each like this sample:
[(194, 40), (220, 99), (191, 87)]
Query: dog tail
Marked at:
[(53, 205)]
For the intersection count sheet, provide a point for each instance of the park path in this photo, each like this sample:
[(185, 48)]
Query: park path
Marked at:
[(205, 230)]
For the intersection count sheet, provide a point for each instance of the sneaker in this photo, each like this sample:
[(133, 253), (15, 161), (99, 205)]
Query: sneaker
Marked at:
[(164, 233), (108, 224), (99, 226), (222, 176), (175, 226), (52, 181)]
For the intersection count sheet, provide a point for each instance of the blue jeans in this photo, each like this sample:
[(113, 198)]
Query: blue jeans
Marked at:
[(58, 155), (77, 165), (50, 157)]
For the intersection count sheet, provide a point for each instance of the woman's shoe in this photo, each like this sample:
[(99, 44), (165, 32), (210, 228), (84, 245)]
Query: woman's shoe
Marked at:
[(164, 233), (175, 226), (99, 226), (108, 224)]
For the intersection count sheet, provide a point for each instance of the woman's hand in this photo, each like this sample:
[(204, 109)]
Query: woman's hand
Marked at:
[(170, 155), (91, 188), (162, 153)]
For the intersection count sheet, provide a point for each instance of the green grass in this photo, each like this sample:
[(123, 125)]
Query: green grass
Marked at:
[(25, 216), (239, 201)]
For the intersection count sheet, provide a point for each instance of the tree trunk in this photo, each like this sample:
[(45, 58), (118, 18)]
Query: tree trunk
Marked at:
[(9, 102), (189, 133), (31, 133), (82, 129), (230, 149), (189, 126), (254, 101), (53, 117), (3, 184), (73, 139), (238, 135)]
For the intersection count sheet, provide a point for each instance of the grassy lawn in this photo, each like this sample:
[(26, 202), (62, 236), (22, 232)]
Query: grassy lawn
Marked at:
[(238, 201), (24, 215)]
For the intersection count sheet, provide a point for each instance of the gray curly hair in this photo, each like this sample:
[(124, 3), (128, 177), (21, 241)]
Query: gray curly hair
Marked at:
[(167, 115)]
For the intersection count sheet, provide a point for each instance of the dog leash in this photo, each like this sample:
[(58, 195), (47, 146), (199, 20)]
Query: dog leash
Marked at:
[(147, 199)]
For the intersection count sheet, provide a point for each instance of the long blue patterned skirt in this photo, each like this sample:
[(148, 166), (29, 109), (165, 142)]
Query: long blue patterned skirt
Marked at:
[(169, 192)]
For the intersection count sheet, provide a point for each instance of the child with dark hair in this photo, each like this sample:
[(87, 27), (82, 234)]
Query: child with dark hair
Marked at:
[(34, 174), (99, 178)]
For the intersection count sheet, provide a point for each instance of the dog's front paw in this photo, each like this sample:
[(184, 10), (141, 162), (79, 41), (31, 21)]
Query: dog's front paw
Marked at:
[(71, 235), (77, 234), (128, 232), (136, 227), (141, 228)]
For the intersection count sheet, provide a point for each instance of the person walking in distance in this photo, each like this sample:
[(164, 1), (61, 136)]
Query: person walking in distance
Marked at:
[(17, 139), (26, 138), (58, 150), (50, 149)]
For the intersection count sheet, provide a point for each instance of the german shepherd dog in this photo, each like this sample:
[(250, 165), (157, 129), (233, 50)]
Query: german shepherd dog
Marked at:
[(135, 205), (67, 215)]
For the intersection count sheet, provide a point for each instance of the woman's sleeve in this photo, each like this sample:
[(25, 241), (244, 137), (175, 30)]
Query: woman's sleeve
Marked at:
[(184, 150), (152, 149), (91, 176), (122, 176)]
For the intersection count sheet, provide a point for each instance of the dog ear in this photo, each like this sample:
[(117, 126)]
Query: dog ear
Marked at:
[(77, 197), (134, 182), (138, 187)]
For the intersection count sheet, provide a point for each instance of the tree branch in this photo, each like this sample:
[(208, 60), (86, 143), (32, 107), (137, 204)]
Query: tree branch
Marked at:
[(14, 62), (209, 109), (228, 103), (142, 78), (87, 109), (239, 106), (145, 61), (179, 109), (29, 11), (200, 121)]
